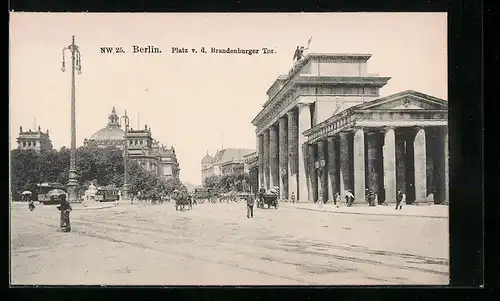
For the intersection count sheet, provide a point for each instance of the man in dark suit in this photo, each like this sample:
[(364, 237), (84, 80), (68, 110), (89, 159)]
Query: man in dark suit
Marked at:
[(250, 204)]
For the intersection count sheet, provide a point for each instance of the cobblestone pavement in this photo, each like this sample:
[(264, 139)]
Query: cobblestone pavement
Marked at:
[(215, 244)]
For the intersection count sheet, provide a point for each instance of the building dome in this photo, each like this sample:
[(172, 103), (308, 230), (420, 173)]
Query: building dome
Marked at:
[(109, 134), (112, 132), (207, 159)]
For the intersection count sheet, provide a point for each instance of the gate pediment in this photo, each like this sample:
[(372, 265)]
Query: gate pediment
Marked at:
[(407, 100)]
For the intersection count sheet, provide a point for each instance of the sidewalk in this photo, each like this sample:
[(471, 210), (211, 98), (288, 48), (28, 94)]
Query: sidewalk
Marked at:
[(429, 211), (74, 206), (93, 205)]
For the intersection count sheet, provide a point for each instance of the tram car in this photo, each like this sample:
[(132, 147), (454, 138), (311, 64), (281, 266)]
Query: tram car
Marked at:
[(44, 195), (107, 194), (203, 194), (270, 198)]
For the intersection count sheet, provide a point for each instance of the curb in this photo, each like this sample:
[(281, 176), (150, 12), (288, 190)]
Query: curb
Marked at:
[(95, 208), (376, 214)]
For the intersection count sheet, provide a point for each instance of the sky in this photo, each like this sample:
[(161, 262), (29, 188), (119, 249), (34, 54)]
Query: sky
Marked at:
[(198, 102)]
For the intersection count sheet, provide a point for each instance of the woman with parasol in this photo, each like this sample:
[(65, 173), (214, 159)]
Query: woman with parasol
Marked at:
[(64, 208), (27, 196)]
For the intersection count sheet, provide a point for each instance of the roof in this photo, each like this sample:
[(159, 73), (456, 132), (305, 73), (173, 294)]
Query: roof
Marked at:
[(109, 133), (206, 159), (230, 154)]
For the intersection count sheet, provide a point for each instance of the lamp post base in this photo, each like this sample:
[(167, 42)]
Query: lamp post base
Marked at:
[(72, 192), (125, 192), (72, 187)]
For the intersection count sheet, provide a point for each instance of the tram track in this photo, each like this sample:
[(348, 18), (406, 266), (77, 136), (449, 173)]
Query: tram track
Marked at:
[(158, 236), (145, 246)]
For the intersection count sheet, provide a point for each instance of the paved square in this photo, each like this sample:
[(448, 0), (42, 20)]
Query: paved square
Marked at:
[(215, 244)]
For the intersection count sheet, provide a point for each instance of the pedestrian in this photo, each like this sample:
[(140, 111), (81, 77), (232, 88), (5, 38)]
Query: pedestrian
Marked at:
[(262, 192), (403, 200), (250, 203), (349, 198), (65, 209), (337, 199), (292, 197), (31, 205), (400, 199)]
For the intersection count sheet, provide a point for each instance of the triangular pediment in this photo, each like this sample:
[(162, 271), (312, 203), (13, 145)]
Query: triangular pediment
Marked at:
[(407, 100)]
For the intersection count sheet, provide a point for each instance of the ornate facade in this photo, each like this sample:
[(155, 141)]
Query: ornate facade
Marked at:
[(324, 130), (252, 169), (224, 162), (35, 140), (142, 148)]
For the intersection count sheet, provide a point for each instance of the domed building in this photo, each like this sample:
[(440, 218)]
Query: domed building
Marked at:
[(206, 167), (141, 147), (111, 135), (227, 161)]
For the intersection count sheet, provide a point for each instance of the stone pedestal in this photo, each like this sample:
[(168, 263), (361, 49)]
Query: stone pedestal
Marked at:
[(125, 192), (389, 154), (359, 166), (72, 187), (304, 124), (420, 156)]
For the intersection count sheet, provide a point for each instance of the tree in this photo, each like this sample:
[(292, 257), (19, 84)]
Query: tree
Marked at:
[(226, 183), (93, 164), (25, 170)]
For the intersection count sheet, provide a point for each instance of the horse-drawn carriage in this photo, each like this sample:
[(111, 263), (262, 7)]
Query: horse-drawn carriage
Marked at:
[(182, 200), (203, 194), (269, 198)]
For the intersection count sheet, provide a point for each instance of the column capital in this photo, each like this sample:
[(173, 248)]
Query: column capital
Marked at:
[(290, 113), (303, 104)]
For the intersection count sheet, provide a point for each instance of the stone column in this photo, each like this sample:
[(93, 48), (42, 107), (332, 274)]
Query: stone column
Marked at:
[(260, 158), (304, 124), (293, 149), (345, 174), (266, 159), (312, 176), (332, 168), (420, 166), (322, 172), (446, 168), (401, 164), (430, 150), (389, 154), (273, 156), (283, 158), (359, 166), (373, 159)]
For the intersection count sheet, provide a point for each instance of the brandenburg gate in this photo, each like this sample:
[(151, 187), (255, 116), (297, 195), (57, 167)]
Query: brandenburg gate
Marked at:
[(324, 130)]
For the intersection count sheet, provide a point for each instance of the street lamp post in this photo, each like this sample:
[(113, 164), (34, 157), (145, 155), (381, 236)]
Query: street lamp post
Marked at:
[(125, 188), (75, 65)]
